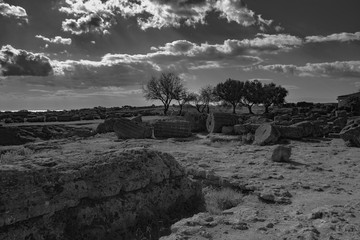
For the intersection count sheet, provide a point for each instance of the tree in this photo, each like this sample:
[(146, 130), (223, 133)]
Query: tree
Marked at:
[(273, 95), (200, 106), (164, 88), (207, 96), (230, 91), (184, 97), (253, 94)]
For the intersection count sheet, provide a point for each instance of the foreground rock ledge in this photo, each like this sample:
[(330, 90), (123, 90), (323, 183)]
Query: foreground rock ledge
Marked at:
[(92, 197)]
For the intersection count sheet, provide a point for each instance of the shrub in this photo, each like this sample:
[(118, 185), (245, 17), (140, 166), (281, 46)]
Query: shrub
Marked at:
[(15, 154)]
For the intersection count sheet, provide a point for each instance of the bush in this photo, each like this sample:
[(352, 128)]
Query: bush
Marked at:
[(13, 155), (218, 200)]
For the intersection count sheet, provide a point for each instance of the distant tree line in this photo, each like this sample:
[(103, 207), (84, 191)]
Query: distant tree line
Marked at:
[(169, 86)]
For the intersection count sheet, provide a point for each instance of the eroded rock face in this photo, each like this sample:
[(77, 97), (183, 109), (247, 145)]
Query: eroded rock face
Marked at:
[(351, 133), (98, 197)]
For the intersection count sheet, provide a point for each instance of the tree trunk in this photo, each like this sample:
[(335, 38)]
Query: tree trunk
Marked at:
[(181, 107), (166, 108), (208, 109), (234, 108), (249, 107)]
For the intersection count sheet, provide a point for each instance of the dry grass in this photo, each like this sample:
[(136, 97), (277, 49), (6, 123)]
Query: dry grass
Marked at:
[(14, 155), (218, 200)]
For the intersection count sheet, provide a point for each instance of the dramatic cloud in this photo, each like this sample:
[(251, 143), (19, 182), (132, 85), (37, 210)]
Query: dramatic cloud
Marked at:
[(87, 24), (11, 11), (14, 62), (180, 56), (56, 40), (349, 69), (337, 37), (155, 13)]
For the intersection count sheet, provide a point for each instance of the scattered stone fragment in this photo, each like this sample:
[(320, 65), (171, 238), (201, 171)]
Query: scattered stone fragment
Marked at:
[(281, 153)]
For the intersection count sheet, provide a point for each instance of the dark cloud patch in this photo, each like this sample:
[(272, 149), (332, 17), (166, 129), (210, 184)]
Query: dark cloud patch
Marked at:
[(16, 62)]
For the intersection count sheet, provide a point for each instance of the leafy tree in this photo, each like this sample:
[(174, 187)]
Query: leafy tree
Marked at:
[(273, 95), (184, 97), (207, 96), (164, 88), (230, 91), (253, 94)]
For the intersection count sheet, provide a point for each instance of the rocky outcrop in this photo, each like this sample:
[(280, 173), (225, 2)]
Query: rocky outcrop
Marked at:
[(108, 196), (351, 133)]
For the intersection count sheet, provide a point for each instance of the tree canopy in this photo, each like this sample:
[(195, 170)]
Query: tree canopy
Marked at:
[(231, 91)]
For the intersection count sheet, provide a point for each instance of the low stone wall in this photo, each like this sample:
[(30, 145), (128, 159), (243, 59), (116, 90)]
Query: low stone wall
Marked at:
[(108, 196)]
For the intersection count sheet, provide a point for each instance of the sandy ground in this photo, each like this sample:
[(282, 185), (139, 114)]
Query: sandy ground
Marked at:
[(317, 193)]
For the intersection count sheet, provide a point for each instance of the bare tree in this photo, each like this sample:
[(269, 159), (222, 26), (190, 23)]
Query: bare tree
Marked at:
[(164, 88), (207, 96), (183, 98)]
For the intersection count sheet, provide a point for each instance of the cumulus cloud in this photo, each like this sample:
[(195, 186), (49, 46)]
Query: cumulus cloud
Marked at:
[(336, 37), (11, 11), (263, 43), (345, 69), (15, 62), (157, 13), (180, 56), (86, 24), (56, 40)]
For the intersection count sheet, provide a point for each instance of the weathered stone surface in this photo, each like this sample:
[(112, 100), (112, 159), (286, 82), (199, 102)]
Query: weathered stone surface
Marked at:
[(340, 121), (281, 154), (197, 121), (91, 197), (290, 132), (106, 126), (125, 129), (227, 130), (240, 129), (175, 128), (351, 133), (215, 121), (306, 126), (266, 134)]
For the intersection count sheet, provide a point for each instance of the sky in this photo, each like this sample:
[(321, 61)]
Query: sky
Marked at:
[(67, 54)]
